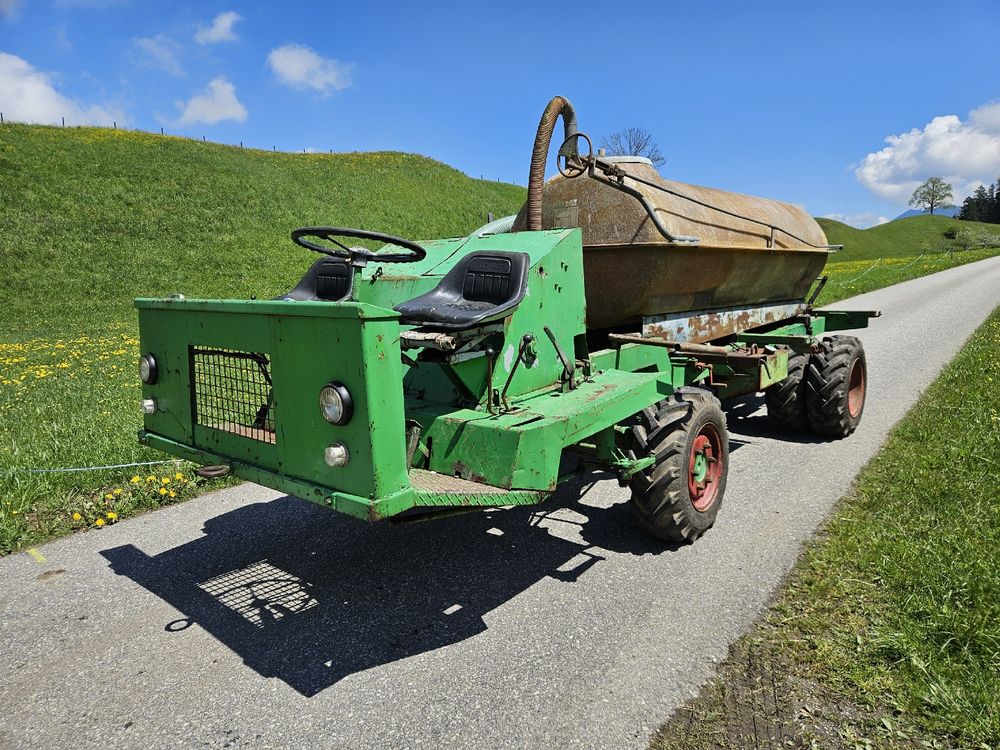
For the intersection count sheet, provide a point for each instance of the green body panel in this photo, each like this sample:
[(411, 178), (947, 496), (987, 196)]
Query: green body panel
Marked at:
[(522, 448), (357, 345), (479, 412)]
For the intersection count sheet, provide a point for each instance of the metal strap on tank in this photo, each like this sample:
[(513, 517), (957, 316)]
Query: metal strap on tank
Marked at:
[(774, 228), (614, 176)]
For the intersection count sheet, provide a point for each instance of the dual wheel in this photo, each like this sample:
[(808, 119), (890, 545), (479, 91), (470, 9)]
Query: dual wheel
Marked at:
[(824, 391), (678, 498)]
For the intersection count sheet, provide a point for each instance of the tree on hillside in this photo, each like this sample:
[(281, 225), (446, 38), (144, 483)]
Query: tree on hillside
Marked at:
[(934, 193), (633, 142), (983, 204)]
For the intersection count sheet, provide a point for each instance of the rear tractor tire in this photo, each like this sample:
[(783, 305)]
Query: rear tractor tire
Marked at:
[(678, 497), (786, 399), (836, 384)]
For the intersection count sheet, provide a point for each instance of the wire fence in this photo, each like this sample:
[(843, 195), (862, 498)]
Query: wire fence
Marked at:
[(72, 469), (274, 148), (895, 271)]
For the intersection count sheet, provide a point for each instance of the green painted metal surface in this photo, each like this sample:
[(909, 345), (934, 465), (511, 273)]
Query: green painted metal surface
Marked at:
[(479, 426)]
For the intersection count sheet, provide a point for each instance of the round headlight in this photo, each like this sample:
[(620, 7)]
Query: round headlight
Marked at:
[(147, 369), (336, 404)]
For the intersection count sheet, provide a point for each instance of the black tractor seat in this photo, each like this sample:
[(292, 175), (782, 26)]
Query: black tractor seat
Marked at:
[(481, 288), (327, 280)]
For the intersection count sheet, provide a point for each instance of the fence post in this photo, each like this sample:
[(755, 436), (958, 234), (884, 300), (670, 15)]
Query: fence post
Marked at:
[(63, 121), (114, 123), (161, 131)]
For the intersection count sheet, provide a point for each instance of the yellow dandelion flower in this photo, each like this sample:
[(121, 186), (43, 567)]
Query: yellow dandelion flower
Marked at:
[(77, 517), (165, 480), (178, 475), (150, 478), (118, 491), (163, 490), (108, 496), (135, 480), (173, 494), (112, 516), (99, 522)]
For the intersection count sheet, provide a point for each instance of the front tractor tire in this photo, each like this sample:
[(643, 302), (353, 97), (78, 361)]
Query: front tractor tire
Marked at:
[(836, 384), (678, 497)]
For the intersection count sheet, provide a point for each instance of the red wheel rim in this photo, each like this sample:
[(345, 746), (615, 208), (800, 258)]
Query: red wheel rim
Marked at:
[(856, 388), (705, 467)]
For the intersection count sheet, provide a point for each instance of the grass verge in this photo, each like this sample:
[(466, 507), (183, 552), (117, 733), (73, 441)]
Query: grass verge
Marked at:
[(887, 634)]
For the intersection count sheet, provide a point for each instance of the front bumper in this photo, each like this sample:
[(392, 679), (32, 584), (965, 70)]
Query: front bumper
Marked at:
[(367, 509)]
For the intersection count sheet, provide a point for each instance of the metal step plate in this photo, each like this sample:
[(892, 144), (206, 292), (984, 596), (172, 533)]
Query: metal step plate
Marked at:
[(430, 481)]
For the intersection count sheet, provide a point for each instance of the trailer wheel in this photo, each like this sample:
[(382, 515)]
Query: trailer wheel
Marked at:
[(786, 399), (836, 384), (678, 497)]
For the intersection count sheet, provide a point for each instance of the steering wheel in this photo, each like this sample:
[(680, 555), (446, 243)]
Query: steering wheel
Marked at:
[(568, 161), (357, 253)]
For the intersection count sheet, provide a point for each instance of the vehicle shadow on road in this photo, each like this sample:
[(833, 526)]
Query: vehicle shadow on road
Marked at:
[(310, 596), (746, 418)]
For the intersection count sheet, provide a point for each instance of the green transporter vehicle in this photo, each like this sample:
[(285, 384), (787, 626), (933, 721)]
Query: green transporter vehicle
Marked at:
[(605, 321)]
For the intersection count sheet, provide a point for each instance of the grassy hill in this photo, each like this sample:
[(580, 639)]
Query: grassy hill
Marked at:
[(900, 250), (903, 237), (91, 217)]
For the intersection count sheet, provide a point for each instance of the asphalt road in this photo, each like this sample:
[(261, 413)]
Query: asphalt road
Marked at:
[(247, 619)]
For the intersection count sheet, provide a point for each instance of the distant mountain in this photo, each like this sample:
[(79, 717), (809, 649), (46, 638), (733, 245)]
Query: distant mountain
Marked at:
[(946, 211)]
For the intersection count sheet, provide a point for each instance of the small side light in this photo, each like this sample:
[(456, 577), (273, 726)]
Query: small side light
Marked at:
[(149, 406), (147, 369), (336, 455)]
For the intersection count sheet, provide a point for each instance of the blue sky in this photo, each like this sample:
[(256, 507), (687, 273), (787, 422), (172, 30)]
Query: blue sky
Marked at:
[(791, 100)]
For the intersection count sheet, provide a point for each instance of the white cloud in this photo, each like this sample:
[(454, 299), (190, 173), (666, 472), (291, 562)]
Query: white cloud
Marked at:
[(8, 8), (299, 67), (216, 103), (862, 220), (158, 52), (27, 95), (221, 29), (965, 154)]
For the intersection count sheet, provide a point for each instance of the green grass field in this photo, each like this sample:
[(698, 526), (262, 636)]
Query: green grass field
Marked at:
[(888, 632), (901, 250), (91, 218)]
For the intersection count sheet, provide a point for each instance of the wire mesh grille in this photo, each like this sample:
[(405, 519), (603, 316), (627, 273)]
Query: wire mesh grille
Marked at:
[(233, 393)]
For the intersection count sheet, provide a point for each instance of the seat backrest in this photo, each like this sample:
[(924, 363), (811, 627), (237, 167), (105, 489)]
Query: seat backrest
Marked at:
[(333, 280), (487, 279), (327, 280), (481, 288)]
